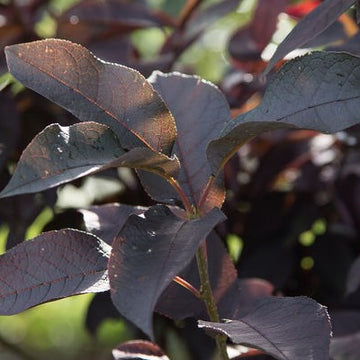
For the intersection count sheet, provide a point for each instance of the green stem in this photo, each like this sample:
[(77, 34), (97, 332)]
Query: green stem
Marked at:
[(208, 298)]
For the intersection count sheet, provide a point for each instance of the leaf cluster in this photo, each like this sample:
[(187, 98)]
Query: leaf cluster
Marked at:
[(189, 151)]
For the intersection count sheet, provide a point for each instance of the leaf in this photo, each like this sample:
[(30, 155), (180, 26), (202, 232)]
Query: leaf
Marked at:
[(148, 253), (345, 347), (139, 350), (309, 27), (93, 90), (242, 297), (353, 278), (9, 128), (248, 43), (200, 112), (54, 265), (319, 91), (60, 154), (202, 19), (92, 19), (178, 303), (106, 221), (286, 328)]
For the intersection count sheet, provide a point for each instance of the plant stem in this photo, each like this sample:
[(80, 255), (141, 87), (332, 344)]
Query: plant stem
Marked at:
[(179, 280), (208, 298), (187, 205)]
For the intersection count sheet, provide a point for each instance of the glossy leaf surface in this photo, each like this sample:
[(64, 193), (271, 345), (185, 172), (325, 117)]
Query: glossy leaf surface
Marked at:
[(200, 112), (148, 253), (94, 90), (60, 154), (54, 265), (319, 91), (310, 26), (286, 328)]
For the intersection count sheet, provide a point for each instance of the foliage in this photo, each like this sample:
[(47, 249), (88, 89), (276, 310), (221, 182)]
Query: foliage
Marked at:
[(193, 156)]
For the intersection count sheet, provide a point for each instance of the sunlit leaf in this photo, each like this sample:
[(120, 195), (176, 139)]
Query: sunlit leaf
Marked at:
[(94, 90)]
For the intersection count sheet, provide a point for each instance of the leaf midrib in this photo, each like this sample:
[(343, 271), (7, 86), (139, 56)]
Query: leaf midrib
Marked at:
[(92, 101)]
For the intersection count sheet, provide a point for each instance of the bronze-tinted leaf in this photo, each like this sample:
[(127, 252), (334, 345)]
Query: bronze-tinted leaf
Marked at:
[(94, 90), (63, 153)]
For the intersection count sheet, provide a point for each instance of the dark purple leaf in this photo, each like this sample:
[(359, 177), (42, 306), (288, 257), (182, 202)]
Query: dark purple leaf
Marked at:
[(345, 322), (105, 221), (249, 42), (286, 328), (178, 303), (148, 253), (319, 91), (351, 46), (9, 127), (100, 308), (345, 347), (138, 350), (60, 154), (93, 90), (241, 298), (201, 19), (310, 26), (54, 265), (200, 112), (94, 19), (353, 278)]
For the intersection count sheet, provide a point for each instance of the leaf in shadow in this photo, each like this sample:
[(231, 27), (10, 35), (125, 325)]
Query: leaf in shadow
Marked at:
[(9, 127), (148, 253), (106, 221), (93, 20), (319, 91), (202, 19), (178, 303), (353, 278), (242, 296), (309, 27), (345, 347), (200, 111), (295, 328), (54, 265), (139, 350), (60, 154), (93, 90), (247, 43)]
